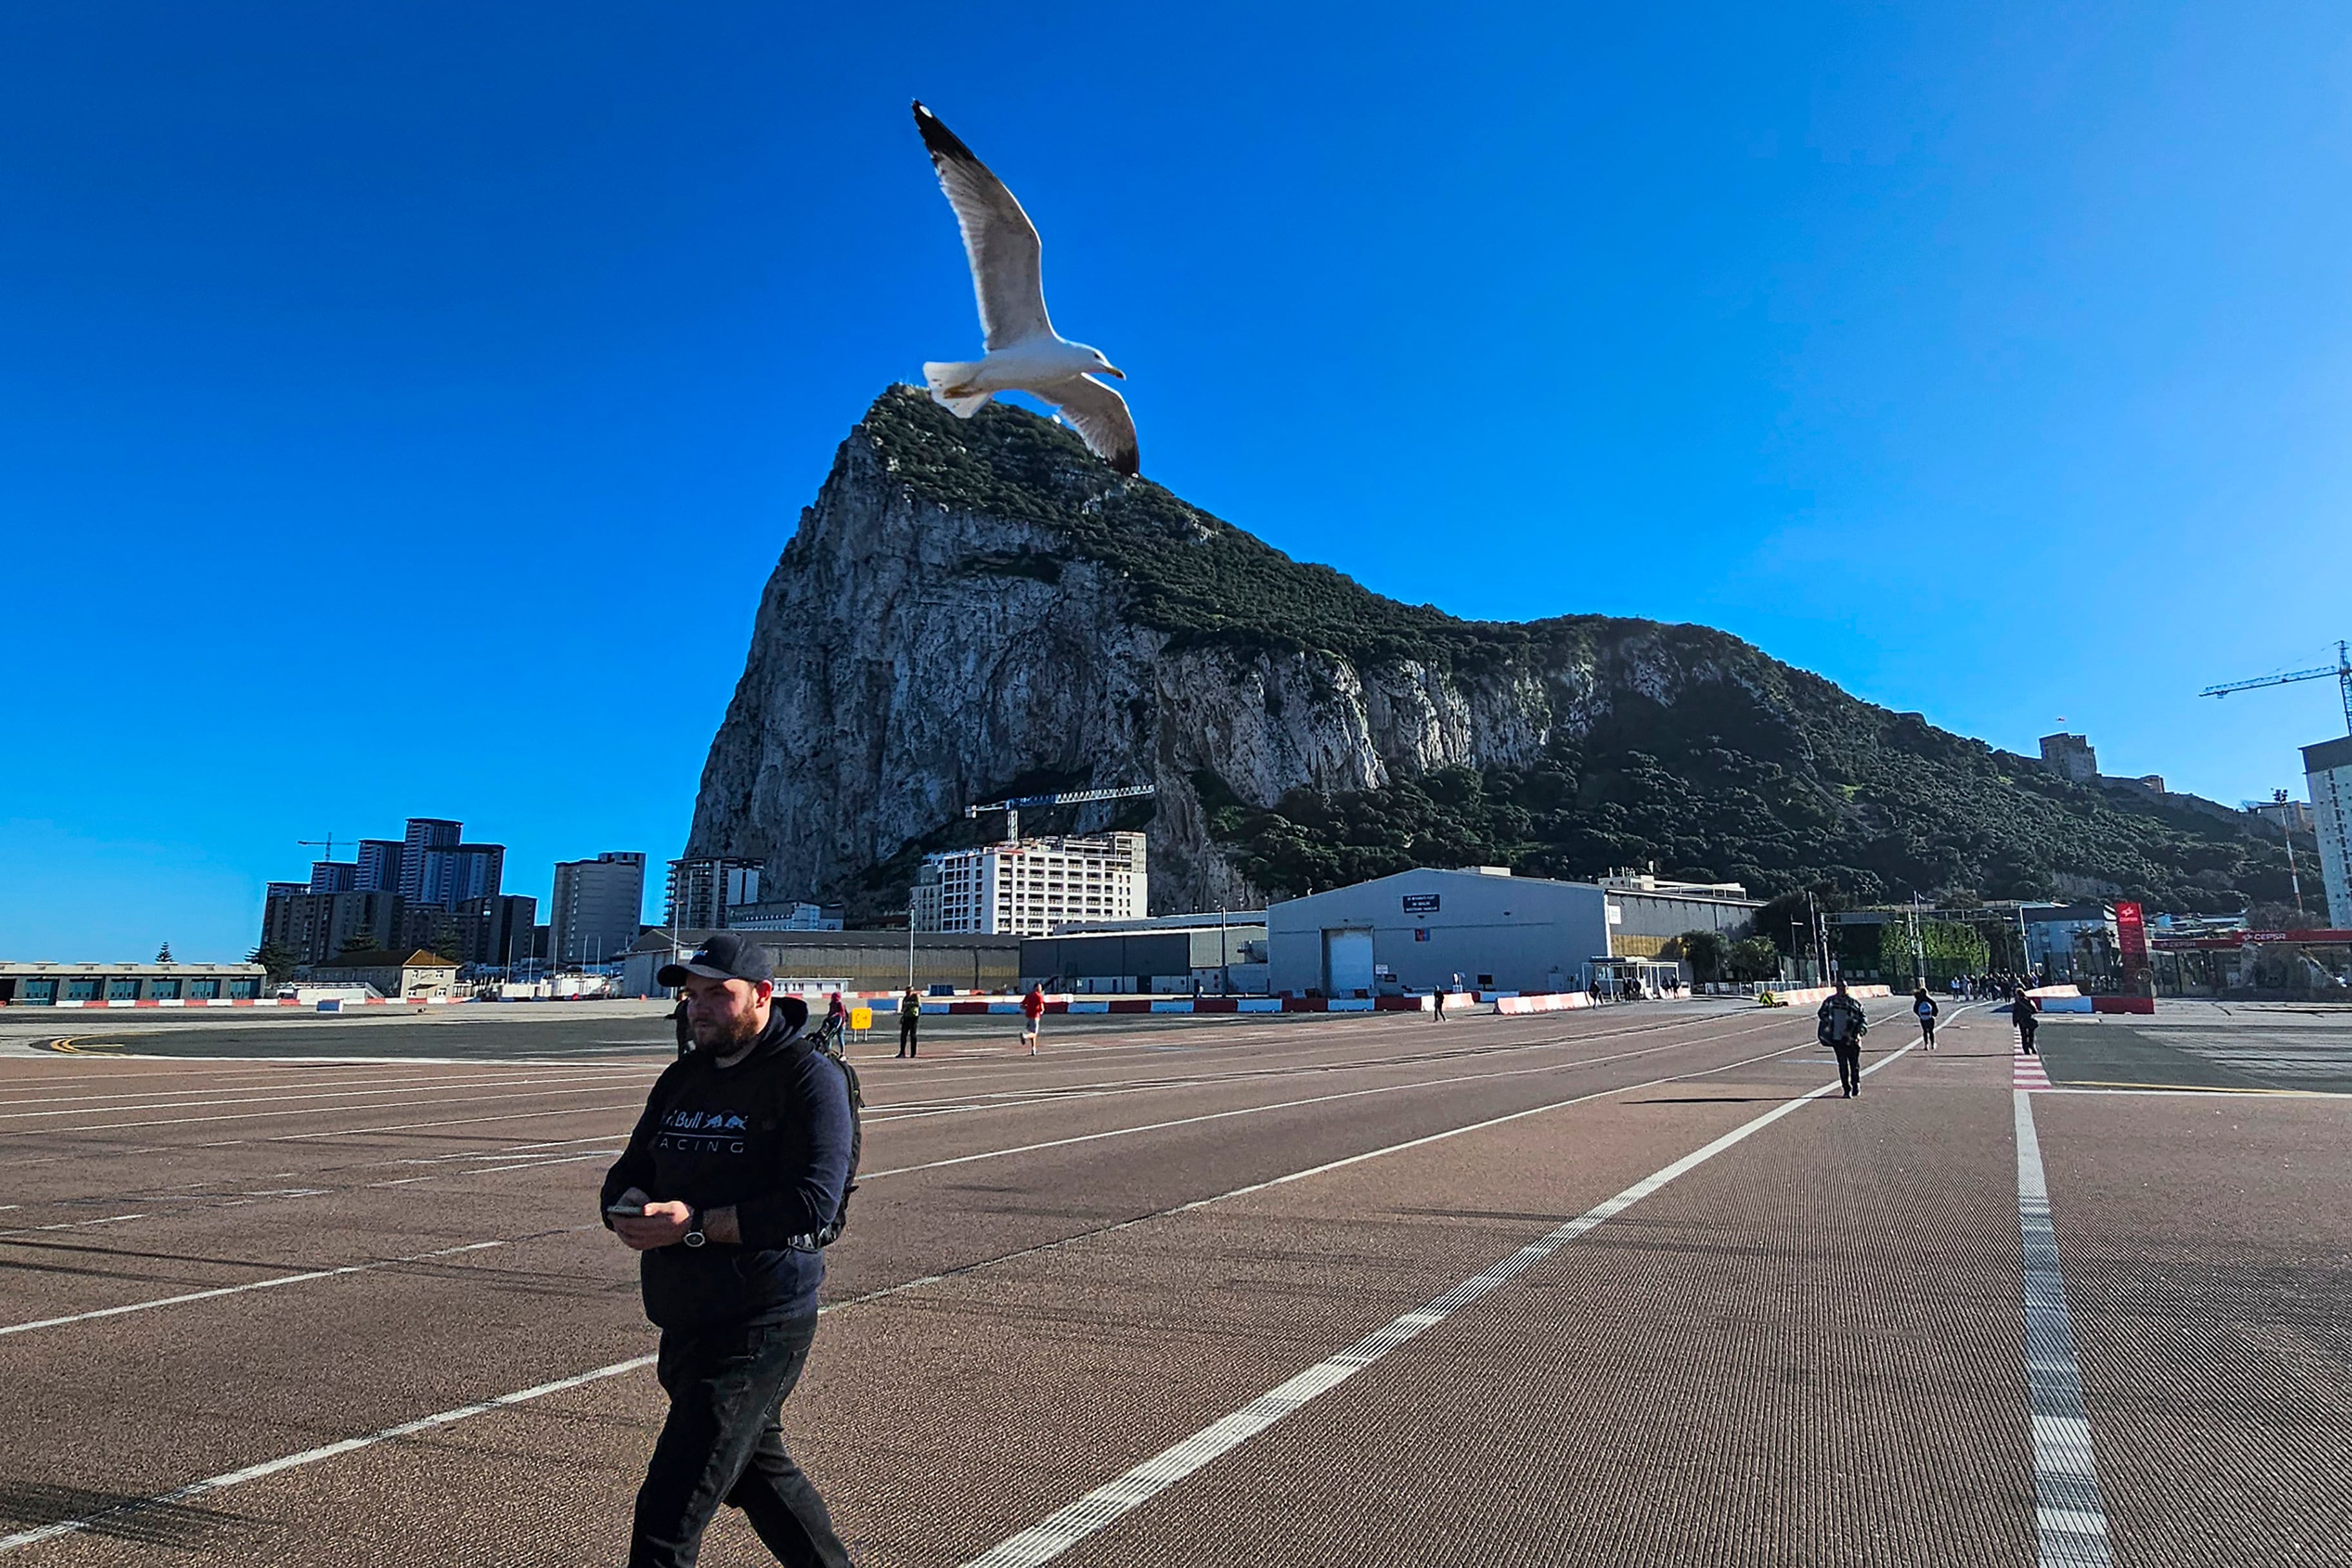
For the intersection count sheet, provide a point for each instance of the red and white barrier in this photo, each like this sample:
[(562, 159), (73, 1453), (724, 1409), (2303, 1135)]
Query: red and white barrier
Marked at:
[(247, 1002), (1555, 1002), (1812, 995)]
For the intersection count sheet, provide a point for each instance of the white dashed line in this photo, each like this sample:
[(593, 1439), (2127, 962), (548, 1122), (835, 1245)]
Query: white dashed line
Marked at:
[(2069, 1522)]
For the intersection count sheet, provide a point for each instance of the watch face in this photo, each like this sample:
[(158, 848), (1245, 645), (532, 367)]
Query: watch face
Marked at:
[(694, 1239)]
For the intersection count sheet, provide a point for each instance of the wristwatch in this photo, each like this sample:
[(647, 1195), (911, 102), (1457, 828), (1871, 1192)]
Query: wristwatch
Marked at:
[(694, 1237)]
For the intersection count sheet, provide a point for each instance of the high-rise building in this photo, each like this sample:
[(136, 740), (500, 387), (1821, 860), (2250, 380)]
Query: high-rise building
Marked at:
[(598, 907), (1027, 888), (702, 887), (2327, 767), (379, 863), (333, 876), (450, 875), (315, 927), (496, 933), (424, 833), (2070, 758)]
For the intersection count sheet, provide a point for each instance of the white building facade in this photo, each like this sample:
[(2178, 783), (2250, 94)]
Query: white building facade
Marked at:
[(1027, 887), (2327, 767)]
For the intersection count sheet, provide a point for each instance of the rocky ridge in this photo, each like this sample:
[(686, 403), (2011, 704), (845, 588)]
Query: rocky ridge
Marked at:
[(972, 609)]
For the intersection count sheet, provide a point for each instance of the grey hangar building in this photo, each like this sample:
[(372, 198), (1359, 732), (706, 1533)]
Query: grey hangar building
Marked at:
[(1415, 930)]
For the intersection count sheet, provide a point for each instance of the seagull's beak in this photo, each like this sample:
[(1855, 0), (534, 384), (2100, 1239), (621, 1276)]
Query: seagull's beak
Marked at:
[(1114, 371)]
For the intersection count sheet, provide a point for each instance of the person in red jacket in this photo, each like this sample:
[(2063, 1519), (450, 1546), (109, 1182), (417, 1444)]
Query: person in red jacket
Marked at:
[(1032, 1008)]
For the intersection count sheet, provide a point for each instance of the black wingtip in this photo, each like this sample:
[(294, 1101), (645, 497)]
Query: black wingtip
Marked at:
[(937, 139)]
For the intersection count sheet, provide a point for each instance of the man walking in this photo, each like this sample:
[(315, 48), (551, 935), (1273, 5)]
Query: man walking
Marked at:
[(732, 1182), (2022, 1013), (1032, 1008), (1923, 1008), (1438, 993), (1840, 1025), (910, 1020)]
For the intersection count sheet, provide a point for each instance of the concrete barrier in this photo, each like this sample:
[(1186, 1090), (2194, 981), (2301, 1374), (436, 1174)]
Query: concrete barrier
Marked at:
[(1557, 1002), (2122, 1004), (1815, 996)]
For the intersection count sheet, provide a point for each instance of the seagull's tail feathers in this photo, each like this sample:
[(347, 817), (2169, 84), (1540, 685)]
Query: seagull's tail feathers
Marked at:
[(949, 382)]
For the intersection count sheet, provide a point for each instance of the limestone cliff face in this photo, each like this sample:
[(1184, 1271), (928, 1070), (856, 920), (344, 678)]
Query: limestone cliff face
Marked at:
[(918, 648), (976, 609)]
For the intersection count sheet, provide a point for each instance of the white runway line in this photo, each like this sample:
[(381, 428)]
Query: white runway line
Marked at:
[(2069, 1522), (260, 1093), (273, 1283), (598, 1088), (1055, 1535), (34, 1537), (465, 1412), (1294, 1104), (69, 1224)]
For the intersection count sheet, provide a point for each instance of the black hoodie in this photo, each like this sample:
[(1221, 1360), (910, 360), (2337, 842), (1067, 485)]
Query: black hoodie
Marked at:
[(770, 1135)]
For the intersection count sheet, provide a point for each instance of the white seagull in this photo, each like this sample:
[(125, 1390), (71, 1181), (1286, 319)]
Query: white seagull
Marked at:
[(1024, 353)]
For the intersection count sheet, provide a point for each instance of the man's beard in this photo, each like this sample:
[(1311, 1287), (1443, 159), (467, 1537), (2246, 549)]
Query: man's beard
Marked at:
[(723, 1035)]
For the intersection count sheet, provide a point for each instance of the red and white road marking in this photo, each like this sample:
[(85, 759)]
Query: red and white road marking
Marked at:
[(2025, 1072)]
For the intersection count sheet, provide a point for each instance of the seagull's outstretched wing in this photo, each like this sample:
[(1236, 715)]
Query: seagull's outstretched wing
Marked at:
[(1100, 416), (998, 238)]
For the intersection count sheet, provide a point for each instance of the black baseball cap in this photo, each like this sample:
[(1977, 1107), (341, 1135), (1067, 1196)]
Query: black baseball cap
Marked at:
[(723, 955)]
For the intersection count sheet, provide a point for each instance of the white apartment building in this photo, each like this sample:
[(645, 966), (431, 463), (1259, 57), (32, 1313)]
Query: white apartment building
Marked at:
[(2327, 767), (1027, 888)]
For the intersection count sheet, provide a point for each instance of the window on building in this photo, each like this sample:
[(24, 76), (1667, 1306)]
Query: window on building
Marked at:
[(81, 991), (164, 990), (122, 988)]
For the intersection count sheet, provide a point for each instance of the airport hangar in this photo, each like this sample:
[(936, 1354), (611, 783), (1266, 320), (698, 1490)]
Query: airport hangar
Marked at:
[(1418, 929)]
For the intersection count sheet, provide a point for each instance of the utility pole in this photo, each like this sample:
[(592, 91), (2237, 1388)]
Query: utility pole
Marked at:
[(1919, 945)]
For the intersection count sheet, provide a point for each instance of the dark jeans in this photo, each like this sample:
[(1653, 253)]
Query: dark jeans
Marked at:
[(2025, 1038), (722, 1444), (906, 1028), (1849, 1060)]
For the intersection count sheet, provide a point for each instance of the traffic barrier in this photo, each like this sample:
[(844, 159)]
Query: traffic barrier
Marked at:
[(247, 1002), (1557, 1002), (1809, 995), (2122, 1004)]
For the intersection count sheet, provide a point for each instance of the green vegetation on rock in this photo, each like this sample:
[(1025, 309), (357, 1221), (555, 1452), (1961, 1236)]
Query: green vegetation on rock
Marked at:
[(1730, 765)]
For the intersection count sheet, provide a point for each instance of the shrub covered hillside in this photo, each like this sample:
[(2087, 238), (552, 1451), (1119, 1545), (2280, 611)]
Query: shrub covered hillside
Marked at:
[(1746, 769)]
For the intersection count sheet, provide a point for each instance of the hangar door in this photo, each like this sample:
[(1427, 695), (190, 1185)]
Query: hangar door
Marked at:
[(1347, 963)]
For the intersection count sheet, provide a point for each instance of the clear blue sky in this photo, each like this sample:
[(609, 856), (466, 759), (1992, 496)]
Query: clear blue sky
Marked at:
[(401, 407)]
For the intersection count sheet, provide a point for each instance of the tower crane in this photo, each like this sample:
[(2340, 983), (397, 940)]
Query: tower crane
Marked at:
[(1013, 808), (2341, 670)]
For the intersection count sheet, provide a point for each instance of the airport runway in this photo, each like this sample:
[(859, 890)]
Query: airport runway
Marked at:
[(1608, 1288)]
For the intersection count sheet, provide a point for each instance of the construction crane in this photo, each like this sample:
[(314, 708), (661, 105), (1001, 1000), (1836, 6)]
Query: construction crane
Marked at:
[(1013, 808), (2341, 670), (329, 842)]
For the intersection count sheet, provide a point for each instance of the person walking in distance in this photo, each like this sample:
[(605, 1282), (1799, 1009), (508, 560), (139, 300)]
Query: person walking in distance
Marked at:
[(836, 1015), (1032, 1008), (1438, 995), (1840, 1025), (2022, 1012), (1923, 1008), (735, 1176), (910, 1020)]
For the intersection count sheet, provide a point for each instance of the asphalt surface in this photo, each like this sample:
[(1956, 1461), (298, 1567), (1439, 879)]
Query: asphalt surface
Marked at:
[(518, 1032), (1607, 1288)]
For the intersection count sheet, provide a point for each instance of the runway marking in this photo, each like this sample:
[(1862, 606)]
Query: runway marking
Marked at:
[(69, 1224), (34, 1537), (259, 1093), (1287, 1105), (522, 1396), (600, 1087), (1056, 1533), (273, 1283), (2069, 1522)]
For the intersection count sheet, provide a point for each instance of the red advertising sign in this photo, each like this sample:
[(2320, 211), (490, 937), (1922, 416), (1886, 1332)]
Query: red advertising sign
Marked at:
[(2131, 937)]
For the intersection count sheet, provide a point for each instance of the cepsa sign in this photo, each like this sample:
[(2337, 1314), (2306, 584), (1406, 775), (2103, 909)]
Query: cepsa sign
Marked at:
[(2131, 937)]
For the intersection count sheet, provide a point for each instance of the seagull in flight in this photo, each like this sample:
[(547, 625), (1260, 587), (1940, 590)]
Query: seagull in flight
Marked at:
[(1024, 353)]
